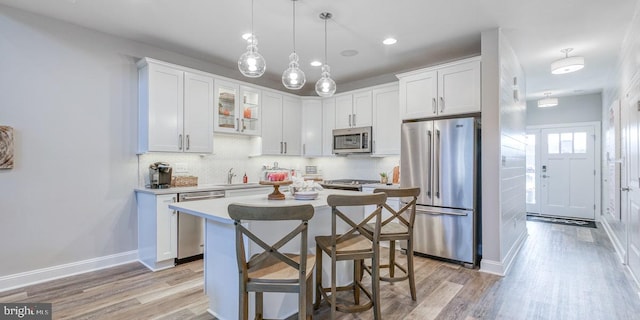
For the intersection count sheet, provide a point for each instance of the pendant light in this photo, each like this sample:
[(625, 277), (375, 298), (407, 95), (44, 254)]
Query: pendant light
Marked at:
[(325, 87), (567, 64), (547, 101), (293, 78), (251, 63)]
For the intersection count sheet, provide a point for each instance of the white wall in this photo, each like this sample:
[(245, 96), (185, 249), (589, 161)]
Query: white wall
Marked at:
[(503, 154), (579, 108), (626, 71)]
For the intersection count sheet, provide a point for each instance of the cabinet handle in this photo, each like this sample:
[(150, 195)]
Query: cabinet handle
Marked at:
[(304, 149), (180, 142), (242, 130), (349, 120), (433, 105), (285, 148), (238, 124), (441, 104), (354, 119), (188, 142), (281, 147)]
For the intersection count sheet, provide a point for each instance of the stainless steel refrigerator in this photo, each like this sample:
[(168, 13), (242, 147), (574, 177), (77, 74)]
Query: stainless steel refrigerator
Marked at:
[(441, 157)]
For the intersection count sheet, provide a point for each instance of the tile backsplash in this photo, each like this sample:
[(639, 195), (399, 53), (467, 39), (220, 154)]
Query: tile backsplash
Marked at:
[(234, 152)]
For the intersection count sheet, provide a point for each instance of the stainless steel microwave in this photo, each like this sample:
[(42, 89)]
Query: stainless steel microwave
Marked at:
[(352, 140)]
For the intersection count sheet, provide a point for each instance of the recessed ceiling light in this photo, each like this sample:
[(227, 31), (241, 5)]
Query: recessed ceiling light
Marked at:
[(349, 53), (316, 63), (389, 41)]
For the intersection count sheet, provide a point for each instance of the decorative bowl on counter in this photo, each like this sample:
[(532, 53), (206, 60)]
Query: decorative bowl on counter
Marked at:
[(306, 195)]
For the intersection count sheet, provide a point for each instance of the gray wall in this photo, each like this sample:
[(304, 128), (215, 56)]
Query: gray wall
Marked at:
[(71, 96), (581, 108)]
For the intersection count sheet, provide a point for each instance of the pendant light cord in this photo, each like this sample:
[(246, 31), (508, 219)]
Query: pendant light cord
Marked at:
[(326, 62), (252, 35), (294, 25)]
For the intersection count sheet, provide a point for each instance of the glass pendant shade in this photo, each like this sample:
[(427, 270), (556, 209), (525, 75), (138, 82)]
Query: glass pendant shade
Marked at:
[(325, 87), (251, 63), (293, 78)]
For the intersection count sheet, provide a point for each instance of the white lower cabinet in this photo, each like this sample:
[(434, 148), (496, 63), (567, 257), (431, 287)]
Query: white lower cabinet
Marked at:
[(157, 230), (247, 192)]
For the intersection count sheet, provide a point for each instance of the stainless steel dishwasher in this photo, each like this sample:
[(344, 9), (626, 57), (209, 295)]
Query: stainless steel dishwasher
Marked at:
[(191, 228)]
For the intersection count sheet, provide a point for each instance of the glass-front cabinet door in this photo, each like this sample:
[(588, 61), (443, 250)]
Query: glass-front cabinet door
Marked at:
[(250, 111), (226, 107), (237, 108)]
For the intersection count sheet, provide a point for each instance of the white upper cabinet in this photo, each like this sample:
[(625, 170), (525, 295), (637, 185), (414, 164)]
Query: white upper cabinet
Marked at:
[(281, 116), (251, 111), (386, 121), (328, 123), (439, 91), (353, 110), (238, 108), (175, 109), (312, 125)]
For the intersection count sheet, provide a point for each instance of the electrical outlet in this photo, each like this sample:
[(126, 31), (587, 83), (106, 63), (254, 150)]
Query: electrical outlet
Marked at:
[(181, 167)]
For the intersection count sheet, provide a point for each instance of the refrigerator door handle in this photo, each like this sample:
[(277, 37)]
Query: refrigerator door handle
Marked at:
[(430, 170), (436, 158)]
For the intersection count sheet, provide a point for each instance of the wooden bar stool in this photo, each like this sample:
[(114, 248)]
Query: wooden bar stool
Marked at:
[(398, 226), (272, 270), (355, 244)]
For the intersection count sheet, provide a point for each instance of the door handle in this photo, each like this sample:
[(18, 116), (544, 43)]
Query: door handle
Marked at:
[(429, 157), (180, 142), (437, 159), (625, 189)]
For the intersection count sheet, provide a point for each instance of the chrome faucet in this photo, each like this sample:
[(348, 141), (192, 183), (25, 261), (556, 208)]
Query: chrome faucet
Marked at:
[(230, 176)]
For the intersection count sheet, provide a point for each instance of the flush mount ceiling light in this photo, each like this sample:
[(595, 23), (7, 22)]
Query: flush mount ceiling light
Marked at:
[(293, 78), (315, 63), (567, 64), (251, 63), (547, 101), (325, 87)]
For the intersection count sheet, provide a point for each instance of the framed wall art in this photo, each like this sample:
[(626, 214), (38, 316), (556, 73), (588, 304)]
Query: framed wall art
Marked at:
[(6, 147)]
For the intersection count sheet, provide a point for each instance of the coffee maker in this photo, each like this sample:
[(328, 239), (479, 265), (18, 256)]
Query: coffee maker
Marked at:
[(159, 175)]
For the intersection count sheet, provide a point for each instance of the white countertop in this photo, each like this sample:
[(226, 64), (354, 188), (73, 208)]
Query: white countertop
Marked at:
[(216, 209), (212, 187)]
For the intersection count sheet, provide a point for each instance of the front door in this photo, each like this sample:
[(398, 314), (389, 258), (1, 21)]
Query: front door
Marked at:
[(568, 172)]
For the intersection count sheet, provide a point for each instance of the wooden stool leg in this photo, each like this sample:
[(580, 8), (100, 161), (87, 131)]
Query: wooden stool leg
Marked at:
[(259, 304), (308, 298), (392, 258), (316, 305), (375, 281), (243, 303), (412, 281), (357, 270)]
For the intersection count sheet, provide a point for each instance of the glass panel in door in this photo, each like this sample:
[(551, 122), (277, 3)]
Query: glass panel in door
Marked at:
[(226, 108), (250, 108), (531, 181)]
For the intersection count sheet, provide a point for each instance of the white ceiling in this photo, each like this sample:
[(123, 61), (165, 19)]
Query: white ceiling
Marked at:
[(428, 32)]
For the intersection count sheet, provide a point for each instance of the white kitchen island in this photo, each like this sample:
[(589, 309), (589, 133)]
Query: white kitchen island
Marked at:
[(220, 264)]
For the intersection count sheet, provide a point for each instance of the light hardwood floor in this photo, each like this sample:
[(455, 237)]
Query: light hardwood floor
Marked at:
[(562, 272)]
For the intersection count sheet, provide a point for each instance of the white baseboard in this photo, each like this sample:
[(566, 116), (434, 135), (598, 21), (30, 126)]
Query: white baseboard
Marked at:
[(617, 245), (501, 268), (46, 274)]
